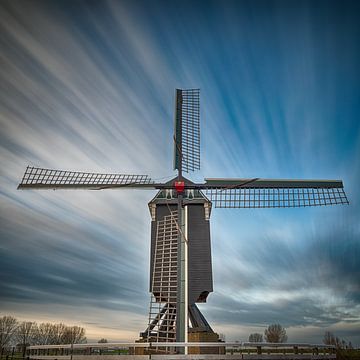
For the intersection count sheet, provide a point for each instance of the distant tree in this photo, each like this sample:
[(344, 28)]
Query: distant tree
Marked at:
[(102, 341), (331, 339), (255, 337), (275, 333), (73, 335), (43, 334), (24, 335), (55, 334), (29, 333), (58, 334), (8, 325)]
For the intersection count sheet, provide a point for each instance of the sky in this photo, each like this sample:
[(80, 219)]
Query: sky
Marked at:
[(89, 86)]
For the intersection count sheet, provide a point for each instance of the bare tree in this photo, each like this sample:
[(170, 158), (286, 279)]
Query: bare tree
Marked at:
[(29, 333), (275, 333), (55, 334), (58, 334), (102, 341), (24, 335), (330, 339), (255, 337), (74, 335), (8, 325), (43, 334)]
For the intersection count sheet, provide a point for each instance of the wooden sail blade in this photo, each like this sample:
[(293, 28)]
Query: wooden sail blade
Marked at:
[(266, 193), (39, 178), (187, 130)]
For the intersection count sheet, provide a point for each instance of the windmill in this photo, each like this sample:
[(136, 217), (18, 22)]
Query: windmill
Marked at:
[(180, 266)]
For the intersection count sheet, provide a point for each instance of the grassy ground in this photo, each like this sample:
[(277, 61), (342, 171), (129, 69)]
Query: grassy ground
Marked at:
[(348, 354), (15, 356)]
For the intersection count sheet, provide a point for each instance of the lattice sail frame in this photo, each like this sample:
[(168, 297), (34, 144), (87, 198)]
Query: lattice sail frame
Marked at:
[(35, 177), (275, 197), (187, 130)]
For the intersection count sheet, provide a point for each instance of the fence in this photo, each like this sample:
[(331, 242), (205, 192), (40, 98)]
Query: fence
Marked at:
[(172, 351)]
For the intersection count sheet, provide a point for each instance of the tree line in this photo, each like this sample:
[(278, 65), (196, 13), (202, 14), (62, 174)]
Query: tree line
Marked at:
[(275, 333), (331, 339), (25, 333)]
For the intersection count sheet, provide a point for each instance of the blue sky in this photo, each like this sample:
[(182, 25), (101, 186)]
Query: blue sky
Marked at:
[(89, 86)]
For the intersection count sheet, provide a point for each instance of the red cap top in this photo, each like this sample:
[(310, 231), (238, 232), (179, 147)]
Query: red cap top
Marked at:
[(179, 186)]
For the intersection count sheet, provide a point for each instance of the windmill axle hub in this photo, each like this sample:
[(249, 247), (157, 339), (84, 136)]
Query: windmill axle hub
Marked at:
[(179, 186)]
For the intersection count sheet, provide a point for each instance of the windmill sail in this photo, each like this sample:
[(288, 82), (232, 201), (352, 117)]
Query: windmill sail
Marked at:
[(181, 276), (187, 130), (264, 193), (39, 178)]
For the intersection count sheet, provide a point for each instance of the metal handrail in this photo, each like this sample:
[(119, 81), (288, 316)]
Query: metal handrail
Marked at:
[(179, 344)]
